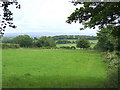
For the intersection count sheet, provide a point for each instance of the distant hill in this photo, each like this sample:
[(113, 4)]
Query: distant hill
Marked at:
[(39, 34)]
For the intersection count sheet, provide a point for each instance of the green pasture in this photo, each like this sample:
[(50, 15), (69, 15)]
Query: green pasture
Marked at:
[(59, 45), (52, 68), (67, 40), (93, 43)]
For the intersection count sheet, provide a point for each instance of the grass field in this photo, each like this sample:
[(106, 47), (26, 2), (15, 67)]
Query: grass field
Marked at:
[(59, 45), (46, 68), (94, 42)]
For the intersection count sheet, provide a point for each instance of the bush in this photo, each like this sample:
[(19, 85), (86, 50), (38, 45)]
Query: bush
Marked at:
[(73, 47), (106, 40), (23, 40), (65, 47), (9, 45), (48, 47), (45, 42), (83, 43), (63, 42), (112, 60), (112, 63), (17, 45), (112, 81), (6, 40)]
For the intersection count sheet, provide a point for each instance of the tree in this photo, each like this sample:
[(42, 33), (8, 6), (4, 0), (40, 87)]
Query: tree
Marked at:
[(6, 40), (73, 47), (106, 42), (45, 42), (63, 42), (35, 38), (23, 40), (92, 14), (100, 14), (6, 19), (83, 43)]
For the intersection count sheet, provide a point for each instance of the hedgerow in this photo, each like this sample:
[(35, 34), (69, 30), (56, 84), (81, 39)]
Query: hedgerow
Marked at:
[(112, 60), (10, 45)]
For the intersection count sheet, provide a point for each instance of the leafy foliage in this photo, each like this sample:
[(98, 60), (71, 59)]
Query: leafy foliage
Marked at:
[(106, 41), (101, 14), (92, 14), (6, 40), (23, 40), (10, 45), (112, 62), (73, 47), (83, 43), (45, 42), (63, 42), (65, 47), (6, 19), (68, 37)]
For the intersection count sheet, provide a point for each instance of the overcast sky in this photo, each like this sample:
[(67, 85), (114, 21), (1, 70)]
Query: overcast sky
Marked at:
[(45, 16)]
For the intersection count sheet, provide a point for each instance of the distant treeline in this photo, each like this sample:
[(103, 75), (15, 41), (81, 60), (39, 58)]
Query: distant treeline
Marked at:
[(65, 39), (72, 37), (28, 42), (65, 42), (51, 41)]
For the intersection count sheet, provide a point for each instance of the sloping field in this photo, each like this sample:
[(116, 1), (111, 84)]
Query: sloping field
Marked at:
[(46, 68)]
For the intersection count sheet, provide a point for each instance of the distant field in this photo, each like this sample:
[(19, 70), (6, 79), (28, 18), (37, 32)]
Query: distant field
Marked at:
[(59, 45), (39, 68), (68, 40), (94, 42)]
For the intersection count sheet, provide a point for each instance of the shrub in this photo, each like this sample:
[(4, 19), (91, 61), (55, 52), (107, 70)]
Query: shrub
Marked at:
[(17, 45), (73, 47), (106, 40), (63, 42), (9, 45), (23, 40), (112, 63), (45, 42), (83, 43), (46, 47), (112, 60), (65, 47)]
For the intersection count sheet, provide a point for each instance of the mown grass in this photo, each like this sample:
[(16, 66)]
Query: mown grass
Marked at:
[(38, 68)]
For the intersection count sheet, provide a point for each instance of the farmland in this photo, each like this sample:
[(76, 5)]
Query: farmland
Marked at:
[(59, 45), (52, 68), (92, 43)]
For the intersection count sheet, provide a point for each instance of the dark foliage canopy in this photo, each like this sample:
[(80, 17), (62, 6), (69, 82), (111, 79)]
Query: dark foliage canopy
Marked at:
[(101, 14), (23, 40), (45, 42), (83, 43), (93, 14)]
